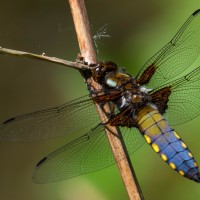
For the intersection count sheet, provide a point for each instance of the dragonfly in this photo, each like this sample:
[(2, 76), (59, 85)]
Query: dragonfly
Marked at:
[(143, 108)]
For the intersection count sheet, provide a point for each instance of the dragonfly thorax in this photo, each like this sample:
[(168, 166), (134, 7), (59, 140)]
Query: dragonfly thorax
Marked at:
[(134, 97), (124, 89), (132, 94)]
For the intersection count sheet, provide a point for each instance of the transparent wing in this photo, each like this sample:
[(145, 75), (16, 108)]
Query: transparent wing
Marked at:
[(176, 56), (184, 100), (89, 153), (51, 123)]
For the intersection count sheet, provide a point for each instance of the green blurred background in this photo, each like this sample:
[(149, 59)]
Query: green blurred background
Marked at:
[(137, 29)]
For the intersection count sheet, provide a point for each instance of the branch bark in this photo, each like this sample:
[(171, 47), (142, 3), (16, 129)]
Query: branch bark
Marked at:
[(82, 27)]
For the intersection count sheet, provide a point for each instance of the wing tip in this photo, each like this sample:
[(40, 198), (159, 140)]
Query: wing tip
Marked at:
[(196, 12)]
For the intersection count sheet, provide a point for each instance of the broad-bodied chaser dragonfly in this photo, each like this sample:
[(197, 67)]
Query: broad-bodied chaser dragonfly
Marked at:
[(144, 105)]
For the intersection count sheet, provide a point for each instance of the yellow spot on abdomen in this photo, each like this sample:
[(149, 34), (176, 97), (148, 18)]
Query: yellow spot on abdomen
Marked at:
[(190, 155), (155, 147), (183, 145), (181, 172), (195, 164), (176, 135), (147, 138), (164, 157), (172, 165)]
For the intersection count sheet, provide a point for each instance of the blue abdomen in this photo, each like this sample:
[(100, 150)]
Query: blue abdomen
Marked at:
[(167, 143)]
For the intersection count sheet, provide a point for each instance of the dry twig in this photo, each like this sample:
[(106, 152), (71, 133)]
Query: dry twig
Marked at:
[(87, 51), (43, 57)]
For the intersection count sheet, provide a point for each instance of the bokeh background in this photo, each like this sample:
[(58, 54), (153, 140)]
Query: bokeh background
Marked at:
[(138, 29)]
